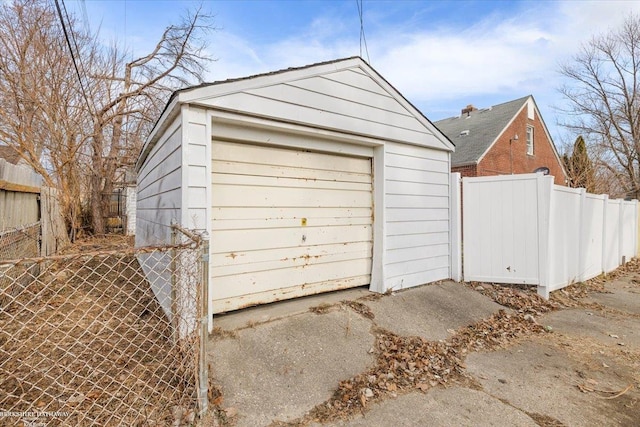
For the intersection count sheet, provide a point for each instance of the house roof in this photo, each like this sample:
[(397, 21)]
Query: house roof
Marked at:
[(234, 94), (9, 154), (473, 134)]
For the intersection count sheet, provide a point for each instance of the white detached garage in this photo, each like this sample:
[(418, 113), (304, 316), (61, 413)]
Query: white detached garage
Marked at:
[(308, 180)]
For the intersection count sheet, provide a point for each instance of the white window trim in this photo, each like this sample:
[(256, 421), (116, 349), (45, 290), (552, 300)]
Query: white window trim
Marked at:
[(530, 137)]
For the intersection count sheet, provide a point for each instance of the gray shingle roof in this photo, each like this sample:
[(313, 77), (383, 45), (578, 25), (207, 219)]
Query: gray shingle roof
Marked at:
[(484, 126)]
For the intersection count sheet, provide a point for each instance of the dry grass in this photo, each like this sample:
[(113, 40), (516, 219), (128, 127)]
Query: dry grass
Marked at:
[(88, 337)]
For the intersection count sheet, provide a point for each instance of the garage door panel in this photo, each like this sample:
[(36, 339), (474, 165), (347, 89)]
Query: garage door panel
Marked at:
[(227, 196), (261, 281), (256, 154), (234, 241), (273, 213), (252, 224), (302, 260), (250, 257), (239, 181), (287, 223), (258, 170), (247, 300)]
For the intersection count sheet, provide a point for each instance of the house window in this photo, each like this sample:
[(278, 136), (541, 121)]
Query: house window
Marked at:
[(530, 140)]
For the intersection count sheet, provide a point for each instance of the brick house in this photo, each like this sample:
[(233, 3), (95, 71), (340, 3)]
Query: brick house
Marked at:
[(509, 138)]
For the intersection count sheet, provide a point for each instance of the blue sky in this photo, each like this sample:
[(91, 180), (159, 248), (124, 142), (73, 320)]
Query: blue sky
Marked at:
[(441, 55)]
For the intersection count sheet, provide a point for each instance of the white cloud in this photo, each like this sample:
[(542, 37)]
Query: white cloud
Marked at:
[(440, 68)]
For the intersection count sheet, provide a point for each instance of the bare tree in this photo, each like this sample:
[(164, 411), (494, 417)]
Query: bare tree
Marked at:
[(41, 111), (128, 96), (78, 129), (603, 91)]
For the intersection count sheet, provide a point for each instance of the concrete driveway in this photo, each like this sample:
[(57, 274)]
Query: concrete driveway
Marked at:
[(442, 354)]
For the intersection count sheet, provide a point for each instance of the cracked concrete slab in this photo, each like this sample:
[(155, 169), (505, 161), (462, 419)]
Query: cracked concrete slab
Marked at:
[(430, 311), (280, 370), (609, 329), (624, 296), (445, 407), (540, 378)]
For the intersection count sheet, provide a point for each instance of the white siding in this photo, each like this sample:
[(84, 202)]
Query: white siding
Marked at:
[(416, 215), (346, 100), (160, 189), (159, 199), (196, 164), (287, 223)]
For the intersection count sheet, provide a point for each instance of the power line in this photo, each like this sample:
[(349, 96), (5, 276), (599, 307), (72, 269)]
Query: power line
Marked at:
[(362, 36), (73, 56)]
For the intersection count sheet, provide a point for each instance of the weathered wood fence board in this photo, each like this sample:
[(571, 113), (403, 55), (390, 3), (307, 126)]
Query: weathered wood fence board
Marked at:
[(54, 232), (23, 201), (19, 188)]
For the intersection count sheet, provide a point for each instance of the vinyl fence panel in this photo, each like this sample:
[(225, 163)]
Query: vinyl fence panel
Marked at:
[(592, 234), (564, 236), (500, 229), (611, 250), (629, 232), (523, 229)]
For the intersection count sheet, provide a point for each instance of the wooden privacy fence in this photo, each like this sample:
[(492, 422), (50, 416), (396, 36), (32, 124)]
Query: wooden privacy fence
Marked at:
[(524, 229), (25, 204), (19, 194)]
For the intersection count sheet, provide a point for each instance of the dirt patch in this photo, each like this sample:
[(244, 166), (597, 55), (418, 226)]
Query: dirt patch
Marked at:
[(545, 420), (323, 308), (219, 333), (99, 243), (360, 308)]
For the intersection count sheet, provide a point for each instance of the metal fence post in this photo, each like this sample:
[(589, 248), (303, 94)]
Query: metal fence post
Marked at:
[(203, 368), (174, 282)]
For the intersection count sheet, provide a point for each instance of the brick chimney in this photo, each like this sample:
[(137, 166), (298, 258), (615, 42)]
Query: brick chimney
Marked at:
[(467, 110)]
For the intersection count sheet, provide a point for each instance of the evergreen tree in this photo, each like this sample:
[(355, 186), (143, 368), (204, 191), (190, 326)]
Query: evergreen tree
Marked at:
[(579, 167)]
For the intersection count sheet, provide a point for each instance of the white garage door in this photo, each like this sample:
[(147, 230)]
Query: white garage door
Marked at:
[(287, 223)]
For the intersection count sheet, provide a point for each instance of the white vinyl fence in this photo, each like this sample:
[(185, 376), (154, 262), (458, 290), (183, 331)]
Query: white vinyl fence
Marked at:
[(524, 229)]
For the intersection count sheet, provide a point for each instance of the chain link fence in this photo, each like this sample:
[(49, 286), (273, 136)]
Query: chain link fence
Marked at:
[(20, 242), (104, 338)]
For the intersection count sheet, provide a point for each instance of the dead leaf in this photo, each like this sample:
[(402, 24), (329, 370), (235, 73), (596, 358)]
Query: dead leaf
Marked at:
[(422, 386), (392, 387)]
